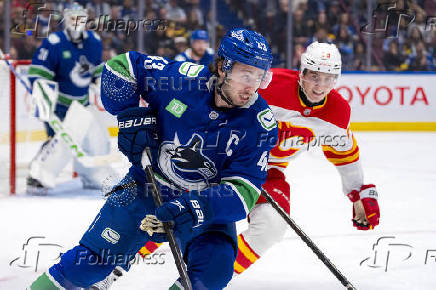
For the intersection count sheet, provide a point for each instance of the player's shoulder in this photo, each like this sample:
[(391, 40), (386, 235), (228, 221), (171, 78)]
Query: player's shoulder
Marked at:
[(282, 89), (261, 114), (55, 38), (92, 37), (337, 109), (180, 57), (187, 69)]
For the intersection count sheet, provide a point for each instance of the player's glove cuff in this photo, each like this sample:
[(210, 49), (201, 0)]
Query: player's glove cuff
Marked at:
[(137, 130)]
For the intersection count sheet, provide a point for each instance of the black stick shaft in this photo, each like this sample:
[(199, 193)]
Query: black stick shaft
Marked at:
[(175, 250), (344, 281)]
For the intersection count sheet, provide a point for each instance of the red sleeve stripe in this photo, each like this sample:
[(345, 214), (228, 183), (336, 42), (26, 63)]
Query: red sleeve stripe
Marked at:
[(331, 155), (345, 163), (344, 159), (336, 152), (278, 164), (149, 248)]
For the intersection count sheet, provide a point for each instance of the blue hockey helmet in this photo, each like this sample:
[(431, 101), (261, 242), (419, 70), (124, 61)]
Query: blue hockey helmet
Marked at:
[(245, 46), (200, 35)]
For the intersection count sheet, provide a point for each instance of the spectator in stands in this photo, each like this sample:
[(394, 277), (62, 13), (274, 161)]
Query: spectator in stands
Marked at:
[(300, 30), (344, 21), (296, 56), (322, 21), (392, 59), (13, 53), (108, 53), (344, 42), (174, 12), (199, 52), (128, 10), (195, 10), (193, 22), (333, 13), (99, 7), (180, 44), (359, 56), (320, 36), (420, 59)]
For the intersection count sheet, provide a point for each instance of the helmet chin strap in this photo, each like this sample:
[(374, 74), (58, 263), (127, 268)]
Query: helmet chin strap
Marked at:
[(300, 82), (222, 94)]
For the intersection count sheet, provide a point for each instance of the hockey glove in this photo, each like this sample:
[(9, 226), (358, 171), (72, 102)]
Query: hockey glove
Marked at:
[(137, 130), (154, 228), (366, 212), (187, 212), (278, 188)]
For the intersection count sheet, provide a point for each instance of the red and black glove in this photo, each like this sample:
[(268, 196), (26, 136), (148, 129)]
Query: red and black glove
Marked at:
[(278, 188), (366, 212)]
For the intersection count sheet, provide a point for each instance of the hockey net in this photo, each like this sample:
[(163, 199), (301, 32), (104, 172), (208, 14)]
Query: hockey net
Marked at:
[(20, 133)]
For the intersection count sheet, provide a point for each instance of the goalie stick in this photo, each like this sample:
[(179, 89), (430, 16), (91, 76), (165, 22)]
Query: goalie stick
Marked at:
[(344, 281), (57, 126), (177, 254)]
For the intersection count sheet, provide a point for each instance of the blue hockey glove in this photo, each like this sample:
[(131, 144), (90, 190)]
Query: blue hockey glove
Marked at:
[(137, 130), (187, 212)]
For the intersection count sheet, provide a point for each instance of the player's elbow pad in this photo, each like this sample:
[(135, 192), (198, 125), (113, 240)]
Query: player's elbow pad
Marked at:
[(117, 93)]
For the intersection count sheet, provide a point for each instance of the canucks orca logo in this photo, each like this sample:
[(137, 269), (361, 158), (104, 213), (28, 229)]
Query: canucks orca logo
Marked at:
[(81, 73), (186, 165)]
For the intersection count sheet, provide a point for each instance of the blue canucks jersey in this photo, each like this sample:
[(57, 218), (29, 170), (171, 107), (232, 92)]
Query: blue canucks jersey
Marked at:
[(221, 152), (72, 66), (187, 56)]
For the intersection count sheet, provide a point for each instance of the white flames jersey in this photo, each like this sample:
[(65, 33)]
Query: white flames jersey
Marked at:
[(302, 127)]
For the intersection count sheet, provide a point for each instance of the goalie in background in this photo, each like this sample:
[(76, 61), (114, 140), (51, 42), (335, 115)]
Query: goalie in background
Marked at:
[(62, 70)]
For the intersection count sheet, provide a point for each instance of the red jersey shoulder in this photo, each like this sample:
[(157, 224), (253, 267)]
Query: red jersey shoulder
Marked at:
[(283, 92), (336, 111), (283, 89)]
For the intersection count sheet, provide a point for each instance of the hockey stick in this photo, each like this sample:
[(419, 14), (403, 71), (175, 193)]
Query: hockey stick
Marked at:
[(344, 281), (177, 254), (56, 124)]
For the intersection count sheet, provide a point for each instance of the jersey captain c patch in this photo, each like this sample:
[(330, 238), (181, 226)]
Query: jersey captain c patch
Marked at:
[(266, 119)]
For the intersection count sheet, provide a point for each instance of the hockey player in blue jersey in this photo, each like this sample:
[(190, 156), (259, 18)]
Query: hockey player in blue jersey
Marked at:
[(199, 52), (214, 133), (72, 59)]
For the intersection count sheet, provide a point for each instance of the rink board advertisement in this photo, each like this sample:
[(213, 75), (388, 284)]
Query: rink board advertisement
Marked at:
[(390, 101), (379, 101)]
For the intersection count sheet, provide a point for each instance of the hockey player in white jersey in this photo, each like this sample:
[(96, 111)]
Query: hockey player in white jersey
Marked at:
[(309, 113), (62, 69)]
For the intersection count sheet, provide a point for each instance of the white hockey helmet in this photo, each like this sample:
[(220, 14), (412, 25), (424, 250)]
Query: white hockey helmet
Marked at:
[(322, 57), (75, 18)]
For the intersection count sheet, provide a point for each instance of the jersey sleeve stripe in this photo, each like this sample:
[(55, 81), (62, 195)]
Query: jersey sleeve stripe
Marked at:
[(336, 152), (121, 67), (247, 193), (279, 164), (330, 154), (40, 71), (241, 197), (98, 70), (346, 160)]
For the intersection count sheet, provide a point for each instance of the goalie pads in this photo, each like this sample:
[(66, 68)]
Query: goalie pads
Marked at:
[(56, 154), (44, 98)]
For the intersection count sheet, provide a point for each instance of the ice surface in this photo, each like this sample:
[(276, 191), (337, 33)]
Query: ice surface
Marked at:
[(402, 165)]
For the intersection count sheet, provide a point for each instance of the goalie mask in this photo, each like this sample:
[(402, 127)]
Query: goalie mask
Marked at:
[(75, 18)]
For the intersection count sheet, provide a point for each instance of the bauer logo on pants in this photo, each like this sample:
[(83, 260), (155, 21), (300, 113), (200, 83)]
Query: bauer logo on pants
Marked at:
[(110, 235)]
